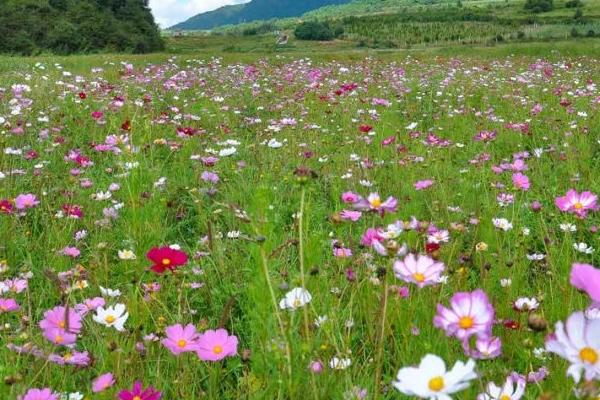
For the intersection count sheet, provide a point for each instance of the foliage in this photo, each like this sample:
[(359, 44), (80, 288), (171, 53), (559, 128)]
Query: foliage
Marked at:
[(315, 30), (538, 6), (69, 26)]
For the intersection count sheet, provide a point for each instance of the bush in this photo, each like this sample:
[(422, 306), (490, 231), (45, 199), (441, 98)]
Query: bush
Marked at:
[(314, 30), (538, 6), (573, 4)]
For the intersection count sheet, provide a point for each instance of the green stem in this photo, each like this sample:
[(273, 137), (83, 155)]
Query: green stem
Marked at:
[(381, 338)]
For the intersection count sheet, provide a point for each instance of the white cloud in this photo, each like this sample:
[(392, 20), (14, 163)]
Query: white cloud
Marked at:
[(169, 12)]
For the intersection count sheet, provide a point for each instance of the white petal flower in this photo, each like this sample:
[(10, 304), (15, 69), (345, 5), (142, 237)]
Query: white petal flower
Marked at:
[(295, 298), (114, 316)]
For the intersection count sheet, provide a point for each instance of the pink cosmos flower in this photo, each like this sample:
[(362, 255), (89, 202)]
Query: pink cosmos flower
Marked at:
[(421, 185), (470, 314), (139, 393), (59, 318), (485, 348), (587, 278), (181, 339), (89, 305), (59, 336), (342, 252), (15, 285), (216, 345), (103, 382), (520, 181), (351, 215), (72, 252), (79, 358), (350, 197), (420, 270), (25, 201), (8, 305), (208, 176), (39, 394), (578, 204), (374, 203)]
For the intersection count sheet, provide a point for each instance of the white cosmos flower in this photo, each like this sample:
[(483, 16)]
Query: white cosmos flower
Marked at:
[(507, 392), (126, 255), (110, 292), (526, 304), (295, 298), (339, 363), (566, 227), (431, 380), (583, 248), (502, 223), (274, 144), (114, 316), (228, 151), (579, 343)]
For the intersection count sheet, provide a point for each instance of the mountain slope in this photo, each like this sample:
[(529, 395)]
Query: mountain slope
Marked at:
[(253, 11)]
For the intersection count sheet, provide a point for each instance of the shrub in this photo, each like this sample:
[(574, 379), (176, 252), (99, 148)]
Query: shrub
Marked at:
[(314, 30), (538, 6)]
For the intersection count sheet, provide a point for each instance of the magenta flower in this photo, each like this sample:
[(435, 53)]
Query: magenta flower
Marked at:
[(103, 382), (58, 318), (520, 181), (8, 305), (351, 215), (139, 393), (40, 394), (587, 278), (422, 185), (181, 339), (60, 337), (216, 345), (25, 201), (470, 314), (350, 197), (578, 204), (420, 270)]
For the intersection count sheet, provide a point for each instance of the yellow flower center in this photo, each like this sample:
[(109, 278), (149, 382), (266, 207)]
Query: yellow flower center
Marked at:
[(68, 356), (109, 319), (436, 384), (217, 349), (375, 203), (419, 277), (589, 355), (578, 206), (137, 398), (182, 343), (297, 303), (62, 324), (4, 307), (465, 322), (58, 339), (505, 397), (166, 261)]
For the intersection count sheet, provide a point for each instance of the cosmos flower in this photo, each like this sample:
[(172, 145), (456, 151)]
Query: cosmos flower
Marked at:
[(25, 201), (114, 316), (8, 305), (578, 341), (62, 320), (587, 278), (470, 314), (216, 345), (181, 339), (511, 390), (139, 393), (103, 382), (486, 348), (520, 181), (578, 204), (166, 258), (295, 298), (421, 270), (432, 381), (40, 394), (422, 185), (374, 203)]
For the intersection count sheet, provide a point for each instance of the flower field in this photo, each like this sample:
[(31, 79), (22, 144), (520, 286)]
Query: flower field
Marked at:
[(368, 228)]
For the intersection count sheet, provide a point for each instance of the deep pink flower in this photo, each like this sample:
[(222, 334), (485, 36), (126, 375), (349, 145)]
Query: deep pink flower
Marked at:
[(6, 206), (587, 278), (350, 197), (181, 339), (470, 314), (421, 185), (216, 345), (139, 393), (103, 382), (578, 204)]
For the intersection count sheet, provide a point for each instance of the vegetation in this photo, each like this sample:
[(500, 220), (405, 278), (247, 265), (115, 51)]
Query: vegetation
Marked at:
[(71, 26), (538, 6), (315, 30)]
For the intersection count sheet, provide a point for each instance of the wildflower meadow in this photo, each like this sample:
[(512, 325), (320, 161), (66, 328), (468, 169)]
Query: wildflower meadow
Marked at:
[(284, 226)]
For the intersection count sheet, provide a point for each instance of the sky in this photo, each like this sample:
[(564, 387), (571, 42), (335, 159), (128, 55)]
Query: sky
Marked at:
[(169, 12)]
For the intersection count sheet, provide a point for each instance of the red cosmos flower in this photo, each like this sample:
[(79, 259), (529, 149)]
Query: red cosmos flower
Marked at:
[(6, 206), (166, 258), (431, 247), (82, 95), (510, 324), (126, 126), (364, 128)]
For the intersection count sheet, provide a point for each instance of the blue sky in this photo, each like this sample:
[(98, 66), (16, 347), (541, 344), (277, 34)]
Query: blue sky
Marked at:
[(170, 12)]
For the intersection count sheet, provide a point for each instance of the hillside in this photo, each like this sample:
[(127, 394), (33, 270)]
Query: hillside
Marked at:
[(70, 26), (253, 11)]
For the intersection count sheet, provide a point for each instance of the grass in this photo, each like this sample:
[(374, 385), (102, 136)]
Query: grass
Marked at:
[(287, 226)]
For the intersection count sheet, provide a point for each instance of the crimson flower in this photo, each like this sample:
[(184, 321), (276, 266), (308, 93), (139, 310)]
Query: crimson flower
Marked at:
[(166, 258)]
